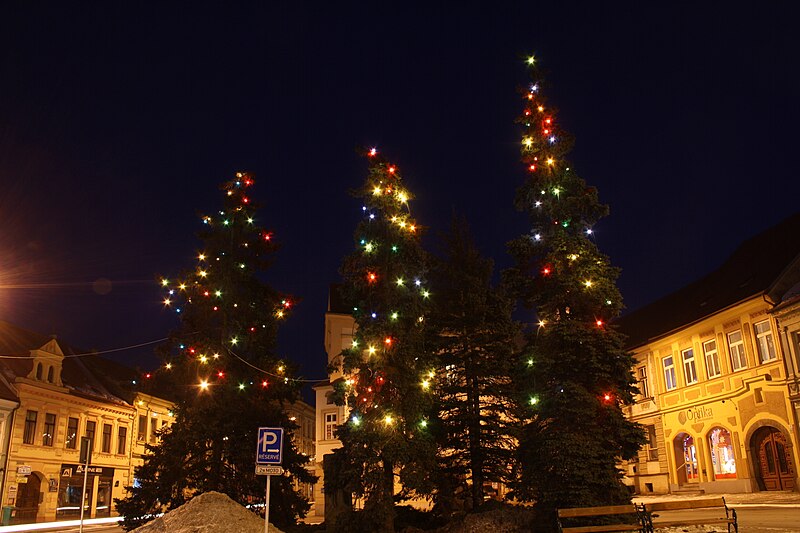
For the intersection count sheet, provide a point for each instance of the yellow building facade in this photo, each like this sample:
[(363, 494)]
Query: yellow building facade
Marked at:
[(339, 328), (52, 397), (60, 401), (718, 377)]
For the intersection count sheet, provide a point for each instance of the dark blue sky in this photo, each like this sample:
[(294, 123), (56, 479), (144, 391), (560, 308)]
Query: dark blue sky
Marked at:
[(118, 121)]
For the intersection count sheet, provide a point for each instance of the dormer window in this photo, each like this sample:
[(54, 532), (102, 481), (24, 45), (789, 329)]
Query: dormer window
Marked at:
[(47, 363)]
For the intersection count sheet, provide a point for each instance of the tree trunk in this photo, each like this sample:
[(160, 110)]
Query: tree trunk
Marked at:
[(388, 495), (475, 455)]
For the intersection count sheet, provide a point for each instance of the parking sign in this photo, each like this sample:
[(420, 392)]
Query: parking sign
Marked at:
[(269, 450)]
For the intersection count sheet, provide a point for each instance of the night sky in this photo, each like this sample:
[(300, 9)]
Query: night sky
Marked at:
[(119, 120)]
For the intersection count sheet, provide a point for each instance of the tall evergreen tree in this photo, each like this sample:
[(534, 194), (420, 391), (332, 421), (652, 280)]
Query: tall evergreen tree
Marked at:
[(576, 374), (389, 369), (221, 368), (475, 337)]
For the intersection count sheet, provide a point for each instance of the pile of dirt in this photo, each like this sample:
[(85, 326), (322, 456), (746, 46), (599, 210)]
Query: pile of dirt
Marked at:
[(210, 512)]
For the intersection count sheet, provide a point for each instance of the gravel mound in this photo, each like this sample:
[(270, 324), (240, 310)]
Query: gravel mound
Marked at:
[(210, 512)]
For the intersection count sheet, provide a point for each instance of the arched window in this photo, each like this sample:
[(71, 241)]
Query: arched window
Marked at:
[(50, 375), (38, 370), (721, 444)]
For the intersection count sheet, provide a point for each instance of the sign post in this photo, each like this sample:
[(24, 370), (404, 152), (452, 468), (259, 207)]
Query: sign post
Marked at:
[(269, 452), (85, 459)]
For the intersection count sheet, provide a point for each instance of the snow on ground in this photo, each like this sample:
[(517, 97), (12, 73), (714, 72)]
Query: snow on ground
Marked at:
[(210, 512)]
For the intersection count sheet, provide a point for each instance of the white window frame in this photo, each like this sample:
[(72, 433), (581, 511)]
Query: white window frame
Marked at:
[(713, 368), (736, 349), (669, 373), (641, 381), (765, 342), (331, 420), (689, 366)]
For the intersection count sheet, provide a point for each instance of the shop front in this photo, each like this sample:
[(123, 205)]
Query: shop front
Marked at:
[(731, 445), (707, 449), (99, 480)]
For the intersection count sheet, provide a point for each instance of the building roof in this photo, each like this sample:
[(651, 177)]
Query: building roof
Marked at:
[(767, 264), (89, 376)]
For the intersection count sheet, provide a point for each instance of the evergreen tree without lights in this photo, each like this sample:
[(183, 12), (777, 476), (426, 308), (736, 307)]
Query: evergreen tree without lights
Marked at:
[(388, 385), (575, 375), (475, 337), (221, 369)]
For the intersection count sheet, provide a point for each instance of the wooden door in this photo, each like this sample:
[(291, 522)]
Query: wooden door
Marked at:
[(27, 503), (775, 461)]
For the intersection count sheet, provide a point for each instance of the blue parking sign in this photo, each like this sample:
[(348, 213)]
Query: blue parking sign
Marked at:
[(269, 450)]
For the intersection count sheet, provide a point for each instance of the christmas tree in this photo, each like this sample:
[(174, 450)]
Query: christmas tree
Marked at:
[(389, 370), (475, 337), (575, 375), (221, 369)]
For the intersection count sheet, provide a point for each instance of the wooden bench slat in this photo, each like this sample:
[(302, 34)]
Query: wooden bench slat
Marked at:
[(607, 527), (699, 521), (685, 504), (596, 511)]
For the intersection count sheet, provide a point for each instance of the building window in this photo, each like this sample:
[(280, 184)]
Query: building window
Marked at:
[(38, 370), (652, 443), (91, 427), (669, 373), (153, 429), (689, 369), (712, 359), (641, 381), (721, 444), (330, 426), (736, 346), (764, 341), (29, 434), (50, 375), (122, 439), (141, 435), (71, 441), (106, 447), (49, 429), (347, 338)]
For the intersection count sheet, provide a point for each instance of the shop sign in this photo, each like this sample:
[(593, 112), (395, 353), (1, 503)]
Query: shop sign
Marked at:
[(69, 470), (24, 470), (52, 485), (696, 414), (22, 479)]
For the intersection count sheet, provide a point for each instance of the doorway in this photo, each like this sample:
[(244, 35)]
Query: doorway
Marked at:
[(776, 471), (685, 459), (28, 500)]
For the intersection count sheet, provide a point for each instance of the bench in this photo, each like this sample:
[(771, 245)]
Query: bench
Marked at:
[(681, 505), (617, 511)]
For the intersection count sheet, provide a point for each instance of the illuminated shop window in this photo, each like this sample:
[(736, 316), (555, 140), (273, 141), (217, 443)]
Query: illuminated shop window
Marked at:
[(721, 444)]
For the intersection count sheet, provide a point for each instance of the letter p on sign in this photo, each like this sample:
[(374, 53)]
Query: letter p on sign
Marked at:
[(269, 450)]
